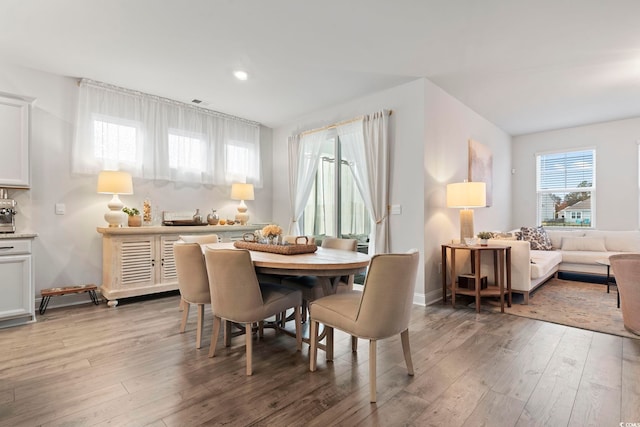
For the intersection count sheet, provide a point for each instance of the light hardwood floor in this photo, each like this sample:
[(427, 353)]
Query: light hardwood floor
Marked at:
[(88, 365)]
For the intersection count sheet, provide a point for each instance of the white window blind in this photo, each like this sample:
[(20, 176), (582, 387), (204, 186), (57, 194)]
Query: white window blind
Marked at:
[(566, 188), (157, 138)]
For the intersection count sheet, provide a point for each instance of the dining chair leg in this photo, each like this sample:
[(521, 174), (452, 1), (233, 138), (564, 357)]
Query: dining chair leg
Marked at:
[(181, 304), (249, 344), (406, 349), (214, 335), (372, 370), (354, 343), (185, 315), (298, 320), (313, 349), (260, 329), (227, 333), (329, 344), (199, 326)]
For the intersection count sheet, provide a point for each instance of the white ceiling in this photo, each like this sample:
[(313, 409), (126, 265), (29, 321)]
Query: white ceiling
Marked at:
[(526, 65)]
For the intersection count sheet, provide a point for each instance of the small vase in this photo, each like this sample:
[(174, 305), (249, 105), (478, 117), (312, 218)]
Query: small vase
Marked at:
[(134, 221), (484, 242)]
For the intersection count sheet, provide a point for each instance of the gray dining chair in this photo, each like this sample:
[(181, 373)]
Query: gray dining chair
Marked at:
[(237, 296), (381, 310)]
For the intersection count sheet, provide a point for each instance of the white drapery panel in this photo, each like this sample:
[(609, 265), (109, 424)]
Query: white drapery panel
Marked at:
[(366, 144), (304, 154), (157, 138)]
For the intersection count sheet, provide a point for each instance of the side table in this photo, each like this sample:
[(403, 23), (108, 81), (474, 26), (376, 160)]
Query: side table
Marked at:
[(501, 263), (608, 281)]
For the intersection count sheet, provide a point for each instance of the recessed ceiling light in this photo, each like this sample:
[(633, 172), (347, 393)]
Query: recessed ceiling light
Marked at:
[(241, 75)]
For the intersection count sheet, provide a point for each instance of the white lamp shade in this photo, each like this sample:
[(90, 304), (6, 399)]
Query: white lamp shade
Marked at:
[(240, 191), (115, 182), (467, 195)]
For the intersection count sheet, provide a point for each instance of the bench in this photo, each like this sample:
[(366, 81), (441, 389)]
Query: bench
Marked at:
[(65, 290)]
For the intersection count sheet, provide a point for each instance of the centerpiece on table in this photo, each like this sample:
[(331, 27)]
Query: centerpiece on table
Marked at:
[(271, 233)]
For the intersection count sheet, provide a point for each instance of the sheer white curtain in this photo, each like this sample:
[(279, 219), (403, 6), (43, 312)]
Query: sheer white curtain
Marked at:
[(365, 143), (304, 154), (157, 138)]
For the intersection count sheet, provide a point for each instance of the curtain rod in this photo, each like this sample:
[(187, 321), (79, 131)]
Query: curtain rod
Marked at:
[(208, 111), (335, 125)]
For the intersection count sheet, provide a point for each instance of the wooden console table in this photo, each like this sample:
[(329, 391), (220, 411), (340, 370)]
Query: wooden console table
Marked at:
[(501, 257)]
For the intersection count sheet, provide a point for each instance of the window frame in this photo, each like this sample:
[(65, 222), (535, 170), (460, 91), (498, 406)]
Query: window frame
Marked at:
[(566, 190)]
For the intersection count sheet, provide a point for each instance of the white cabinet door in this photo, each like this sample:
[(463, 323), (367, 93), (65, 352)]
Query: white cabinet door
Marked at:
[(14, 142), (16, 294)]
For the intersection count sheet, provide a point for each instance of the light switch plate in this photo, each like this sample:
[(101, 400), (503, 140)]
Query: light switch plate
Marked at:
[(61, 209), (396, 209)]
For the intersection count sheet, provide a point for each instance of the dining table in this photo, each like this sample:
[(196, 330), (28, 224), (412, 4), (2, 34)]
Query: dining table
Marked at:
[(328, 265)]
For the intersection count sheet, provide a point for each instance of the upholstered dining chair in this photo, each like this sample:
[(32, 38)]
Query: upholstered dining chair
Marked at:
[(626, 269), (237, 296), (193, 283), (311, 289), (202, 239), (382, 310)]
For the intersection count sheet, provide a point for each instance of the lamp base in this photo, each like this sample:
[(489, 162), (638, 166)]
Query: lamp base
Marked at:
[(242, 218), (115, 217), (466, 224)]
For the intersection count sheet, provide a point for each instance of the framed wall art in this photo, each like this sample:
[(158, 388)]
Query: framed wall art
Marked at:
[(481, 166)]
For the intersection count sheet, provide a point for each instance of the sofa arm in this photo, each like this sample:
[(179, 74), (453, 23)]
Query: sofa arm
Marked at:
[(520, 263)]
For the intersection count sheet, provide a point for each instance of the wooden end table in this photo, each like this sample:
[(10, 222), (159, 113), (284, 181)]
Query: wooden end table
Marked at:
[(501, 263)]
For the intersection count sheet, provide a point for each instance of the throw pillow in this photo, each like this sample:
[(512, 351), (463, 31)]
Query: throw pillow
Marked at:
[(594, 244), (537, 238)]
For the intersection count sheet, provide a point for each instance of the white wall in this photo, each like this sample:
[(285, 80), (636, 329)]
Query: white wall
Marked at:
[(449, 124), (616, 206), (429, 134), (406, 136), (68, 249)]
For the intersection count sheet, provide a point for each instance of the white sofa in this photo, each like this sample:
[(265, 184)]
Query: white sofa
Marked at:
[(576, 251)]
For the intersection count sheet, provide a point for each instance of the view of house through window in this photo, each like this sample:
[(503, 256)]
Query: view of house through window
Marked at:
[(566, 188), (335, 206)]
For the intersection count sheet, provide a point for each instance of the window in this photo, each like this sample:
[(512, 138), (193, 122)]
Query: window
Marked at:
[(566, 188), (115, 140), (335, 206), (187, 152), (161, 139)]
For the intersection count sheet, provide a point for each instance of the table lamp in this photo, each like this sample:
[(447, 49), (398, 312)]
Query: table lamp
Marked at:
[(115, 182), (242, 192), (466, 195)]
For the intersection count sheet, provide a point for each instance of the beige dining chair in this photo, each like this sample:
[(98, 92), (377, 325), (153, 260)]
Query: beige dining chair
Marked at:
[(626, 269), (309, 285), (237, 296), (381, 310), (202, 239), (193, 283)]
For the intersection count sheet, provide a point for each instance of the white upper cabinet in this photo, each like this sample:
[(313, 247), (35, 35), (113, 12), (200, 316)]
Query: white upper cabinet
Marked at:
[(15, 114)]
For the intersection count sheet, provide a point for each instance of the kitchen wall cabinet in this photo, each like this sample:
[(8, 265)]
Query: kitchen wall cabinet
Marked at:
[(17, 304), (15, 114), (139, 260)]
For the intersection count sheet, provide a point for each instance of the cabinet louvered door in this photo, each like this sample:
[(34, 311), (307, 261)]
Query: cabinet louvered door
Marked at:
[(137, 262), (167, 261)]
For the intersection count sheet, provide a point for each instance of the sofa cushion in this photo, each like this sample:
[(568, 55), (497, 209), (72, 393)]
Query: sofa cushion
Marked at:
[(542, 262), (556, 236), (593, 244), (584, 257), (537, 237)]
